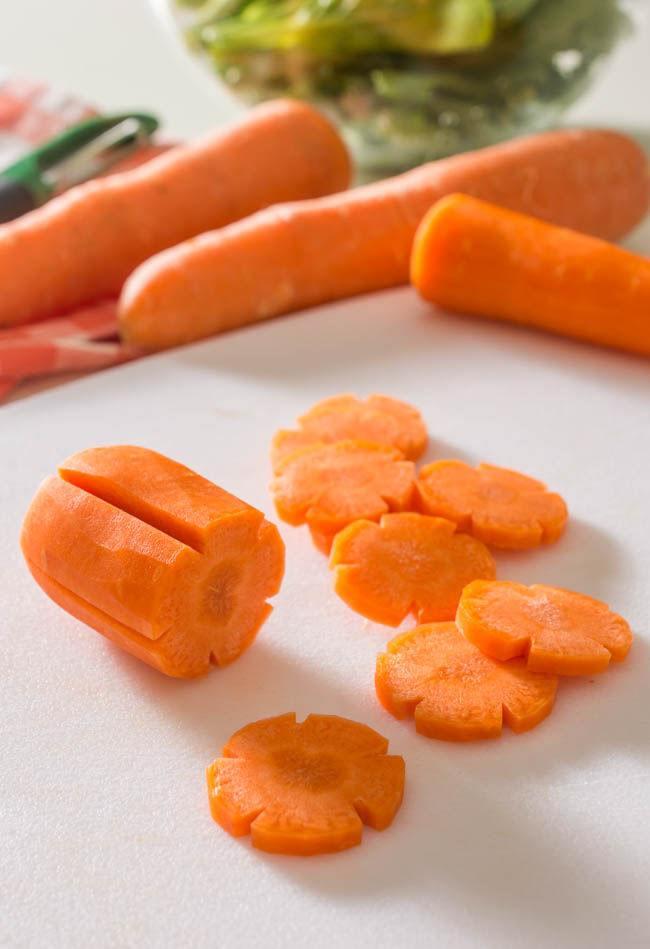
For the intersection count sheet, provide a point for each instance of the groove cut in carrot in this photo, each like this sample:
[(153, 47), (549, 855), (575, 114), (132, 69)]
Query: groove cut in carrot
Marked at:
[(453, 691), (331, 486), (478, 258), (161, 561), (378, 419), (500, 507), (560, 632), (408, 563), (305, 788)]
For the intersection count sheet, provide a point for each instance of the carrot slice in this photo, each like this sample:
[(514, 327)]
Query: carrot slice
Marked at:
[(378, 419), (153, 556), (409, 563), (453, 691), (305, 788), (331, 486), (559, 631), (499, 506)]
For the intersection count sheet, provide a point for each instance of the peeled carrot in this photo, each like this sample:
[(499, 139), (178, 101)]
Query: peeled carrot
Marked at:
[(301, 254), (377, 419), (81, 246), (161, 561), (330, 486), (558, 631), (481, 259), (305, 788), (453, 691), (499, 506), (408, 563)]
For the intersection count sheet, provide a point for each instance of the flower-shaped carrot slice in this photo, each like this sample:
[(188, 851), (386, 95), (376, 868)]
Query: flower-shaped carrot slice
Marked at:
[(305, 788), (153, 556), (453, 691), (409, 563), (559, 631), (330, 486), (378, 419), (501, 507)]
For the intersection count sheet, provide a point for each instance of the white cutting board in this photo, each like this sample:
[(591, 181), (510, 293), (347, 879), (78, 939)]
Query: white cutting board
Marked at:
[(535, 840)]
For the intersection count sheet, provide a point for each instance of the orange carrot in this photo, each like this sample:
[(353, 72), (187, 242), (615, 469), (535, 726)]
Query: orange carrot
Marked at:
[(408, 563), (305, 253), (158, 559), (81, 246), (500, 507), (559, 632), (453, 691), (377, 419), (481, 259), (330, 486), (305, 788)]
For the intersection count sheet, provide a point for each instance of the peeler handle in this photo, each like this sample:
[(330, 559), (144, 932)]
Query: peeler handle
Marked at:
[(15, 199)]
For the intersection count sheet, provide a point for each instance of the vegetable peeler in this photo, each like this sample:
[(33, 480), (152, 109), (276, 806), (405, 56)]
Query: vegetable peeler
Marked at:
[(79, 153)]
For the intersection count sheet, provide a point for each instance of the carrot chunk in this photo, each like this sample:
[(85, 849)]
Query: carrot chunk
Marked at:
[(500, 507), (453, 691), (378, 419), (331, 486), (153, 556), (560, 632), (408, 563), (305, 788)]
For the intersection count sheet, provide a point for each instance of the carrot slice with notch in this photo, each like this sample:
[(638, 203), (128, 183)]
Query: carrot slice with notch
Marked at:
[(500, 507), (408, 563), (305, 788), (559, 631), (331, 486), (453, 691)]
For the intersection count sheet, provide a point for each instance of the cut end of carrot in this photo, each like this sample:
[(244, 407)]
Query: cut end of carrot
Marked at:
[(456, 693), (558, 631), (305, 788), (409, 563)]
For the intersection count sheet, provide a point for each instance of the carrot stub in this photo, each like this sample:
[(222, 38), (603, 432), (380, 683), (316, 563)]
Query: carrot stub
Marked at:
[(330, 486), (453, 691), (559, 631), (500, 507), (153, 556), (305, 788), (482, 259), (408, 563), (377, 419)]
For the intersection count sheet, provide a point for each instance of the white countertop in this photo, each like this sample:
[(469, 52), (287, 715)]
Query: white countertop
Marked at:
[(528, 842)]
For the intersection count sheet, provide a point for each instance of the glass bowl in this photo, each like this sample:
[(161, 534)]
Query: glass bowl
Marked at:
[(407, 81)]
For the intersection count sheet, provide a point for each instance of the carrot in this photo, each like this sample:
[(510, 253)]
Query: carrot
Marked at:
[(481, 259), (453, 691), (377, 419), (81, 246), (408, 563), (298, 255), (153, 556), (499, 506), (331, 486), (558, 631), (305, 788)]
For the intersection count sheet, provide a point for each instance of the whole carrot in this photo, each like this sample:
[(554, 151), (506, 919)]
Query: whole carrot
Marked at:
[(80, 247), (309, 252), (478, 258)]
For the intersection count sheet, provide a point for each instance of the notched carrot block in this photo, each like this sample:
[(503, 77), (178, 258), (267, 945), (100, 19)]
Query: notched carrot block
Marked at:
[(453, 691), (166, 564), (305, 788), (559, 631), (378, 419), (408, 563), (331, 486), (500, 507)]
